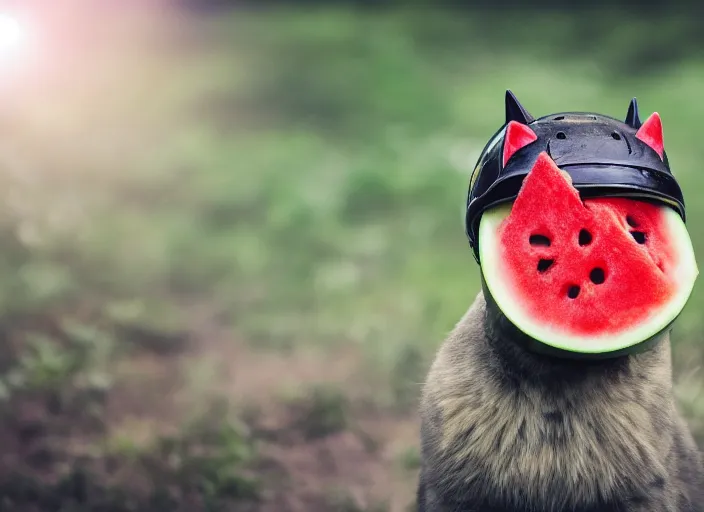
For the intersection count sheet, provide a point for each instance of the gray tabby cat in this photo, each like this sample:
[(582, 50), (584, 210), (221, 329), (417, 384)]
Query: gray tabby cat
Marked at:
[(504, 429)]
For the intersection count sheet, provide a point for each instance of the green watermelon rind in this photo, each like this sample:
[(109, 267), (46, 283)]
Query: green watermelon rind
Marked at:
[(503, 295)]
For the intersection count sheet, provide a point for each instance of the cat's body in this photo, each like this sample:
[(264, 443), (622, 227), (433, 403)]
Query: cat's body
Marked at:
[(508, 430)]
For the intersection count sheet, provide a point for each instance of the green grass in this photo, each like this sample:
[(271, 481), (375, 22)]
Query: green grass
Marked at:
[(301, 177), (208, 463), (318, 412)]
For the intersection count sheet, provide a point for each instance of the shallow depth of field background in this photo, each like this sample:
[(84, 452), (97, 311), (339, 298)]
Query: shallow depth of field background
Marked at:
[(231, 239)]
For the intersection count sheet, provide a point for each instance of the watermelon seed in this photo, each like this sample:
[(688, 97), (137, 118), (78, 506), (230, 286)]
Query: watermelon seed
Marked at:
[(631, 221), (539, 240), (585, 237), (638, 236), (543, 265), (597, 275), (573, 291)]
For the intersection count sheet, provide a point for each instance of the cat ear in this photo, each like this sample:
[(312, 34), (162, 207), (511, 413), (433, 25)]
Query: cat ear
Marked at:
[(632, 118), (651, 133), (517, 136), (515, 111)]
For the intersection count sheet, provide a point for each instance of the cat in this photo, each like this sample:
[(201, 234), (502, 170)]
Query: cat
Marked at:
[(504, 429)]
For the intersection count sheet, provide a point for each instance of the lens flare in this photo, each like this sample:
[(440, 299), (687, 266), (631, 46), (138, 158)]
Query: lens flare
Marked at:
[(11, 33)]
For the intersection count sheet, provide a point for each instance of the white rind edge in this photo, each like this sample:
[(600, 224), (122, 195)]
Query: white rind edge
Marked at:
[(686, 275)]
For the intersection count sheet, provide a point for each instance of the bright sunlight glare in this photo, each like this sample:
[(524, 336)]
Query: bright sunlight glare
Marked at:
[(10, 33)]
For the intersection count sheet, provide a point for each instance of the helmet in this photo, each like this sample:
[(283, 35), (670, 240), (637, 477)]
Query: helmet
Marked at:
[(603, 156)]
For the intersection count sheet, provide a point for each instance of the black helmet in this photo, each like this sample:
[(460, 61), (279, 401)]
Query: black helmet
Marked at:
[(604, 157)]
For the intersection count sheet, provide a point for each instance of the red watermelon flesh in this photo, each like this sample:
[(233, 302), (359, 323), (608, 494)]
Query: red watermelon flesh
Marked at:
[(589, 267)]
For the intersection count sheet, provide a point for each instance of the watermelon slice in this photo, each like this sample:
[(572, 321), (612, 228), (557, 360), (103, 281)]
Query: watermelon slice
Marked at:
[(591, 276)]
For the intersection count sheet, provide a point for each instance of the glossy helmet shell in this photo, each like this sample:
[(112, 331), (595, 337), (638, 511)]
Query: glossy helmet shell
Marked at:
[(603, 156)]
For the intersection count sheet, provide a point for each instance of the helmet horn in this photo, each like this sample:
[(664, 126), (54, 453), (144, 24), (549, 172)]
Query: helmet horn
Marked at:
[(651, 133), (515, 111), (632, 118), (517, 136)]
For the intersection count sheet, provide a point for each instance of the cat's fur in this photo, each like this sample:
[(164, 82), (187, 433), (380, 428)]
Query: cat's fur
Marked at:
[(504, 429)]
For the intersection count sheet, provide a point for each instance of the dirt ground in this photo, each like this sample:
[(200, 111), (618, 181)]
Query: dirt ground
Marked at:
[(353, 466), (359, 462)]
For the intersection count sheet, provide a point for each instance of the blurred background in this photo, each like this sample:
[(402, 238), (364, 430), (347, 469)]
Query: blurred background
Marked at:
[(232, 233)]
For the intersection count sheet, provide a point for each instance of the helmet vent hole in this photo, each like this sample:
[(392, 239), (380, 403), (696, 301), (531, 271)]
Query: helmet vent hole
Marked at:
[(615, 136), (558, 118), (561, 135)]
